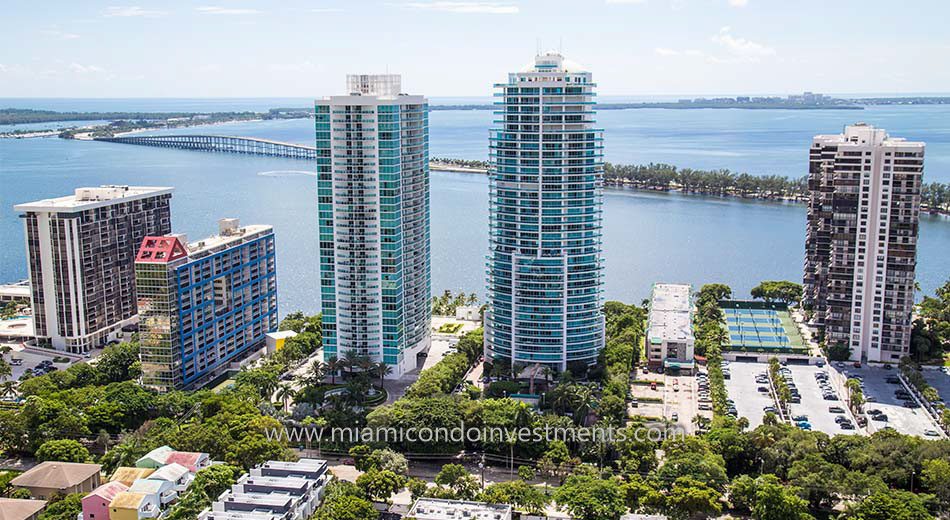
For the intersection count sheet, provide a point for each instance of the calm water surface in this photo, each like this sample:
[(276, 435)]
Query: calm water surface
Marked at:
[(648, 237)]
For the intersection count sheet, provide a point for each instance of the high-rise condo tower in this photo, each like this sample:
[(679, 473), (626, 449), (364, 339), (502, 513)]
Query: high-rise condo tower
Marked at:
[(545, 272), (81, 256), (373, 203), (861, 240)]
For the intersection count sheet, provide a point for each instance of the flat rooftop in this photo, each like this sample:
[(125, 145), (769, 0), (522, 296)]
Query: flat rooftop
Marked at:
[(670, 315), (439, 509), (225, 239), (92, 197)]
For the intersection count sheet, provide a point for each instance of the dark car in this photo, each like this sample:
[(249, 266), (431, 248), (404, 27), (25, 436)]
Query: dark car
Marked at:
[(763, 389), (879, 417), (893, 380), (835, 409), (911, 404), (847, 425)]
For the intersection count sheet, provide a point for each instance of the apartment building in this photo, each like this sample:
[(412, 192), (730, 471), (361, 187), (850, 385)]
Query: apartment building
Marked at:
[(81, 254), (861, 240), (204, 305)]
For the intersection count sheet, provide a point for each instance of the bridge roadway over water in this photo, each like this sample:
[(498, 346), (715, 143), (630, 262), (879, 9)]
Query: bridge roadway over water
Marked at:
[(220, 143)]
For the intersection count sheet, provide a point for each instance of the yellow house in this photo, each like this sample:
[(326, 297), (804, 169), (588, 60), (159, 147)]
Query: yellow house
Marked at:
[(127, 475), (133, 506)]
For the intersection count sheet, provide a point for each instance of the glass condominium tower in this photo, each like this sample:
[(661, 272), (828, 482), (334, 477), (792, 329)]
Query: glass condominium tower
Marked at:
[(545, 276), (373, 204)]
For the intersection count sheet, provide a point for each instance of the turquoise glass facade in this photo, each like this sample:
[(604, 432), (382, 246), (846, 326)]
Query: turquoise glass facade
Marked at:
[(373, 204), (546, 188)]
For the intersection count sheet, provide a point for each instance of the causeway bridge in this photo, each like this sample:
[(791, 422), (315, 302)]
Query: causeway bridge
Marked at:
[(220, 143)]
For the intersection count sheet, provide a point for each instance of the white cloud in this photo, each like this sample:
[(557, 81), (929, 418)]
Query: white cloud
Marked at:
[(84, 69), (132, 10), (3, 69), (741, 47), (56, 33), (213, 9), (466, 7), (738, 3), (626, 1)]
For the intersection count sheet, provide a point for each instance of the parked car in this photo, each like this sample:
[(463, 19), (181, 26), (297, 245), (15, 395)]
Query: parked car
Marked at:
[(705, 406), (847, 425), (835, 409), (820, 363), (911, 404), (874, 411), (675, 416), (879, 417), (800, 418), (841, 418), (763, 389), (769, 409), (931, 433), (803, 425)]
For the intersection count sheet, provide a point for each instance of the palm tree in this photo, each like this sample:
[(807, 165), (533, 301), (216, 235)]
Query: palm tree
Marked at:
[(284, 394), (583, 402), (472, 299), (382, 370), (5, 370), (315, 373), (332, 366), (7, 388)]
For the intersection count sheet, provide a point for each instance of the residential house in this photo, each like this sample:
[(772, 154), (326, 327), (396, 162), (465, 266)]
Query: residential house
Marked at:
[(133, 506), (163, 489), (52, 477), (174, 473), (128, 475), (17, 509), (95, 505)]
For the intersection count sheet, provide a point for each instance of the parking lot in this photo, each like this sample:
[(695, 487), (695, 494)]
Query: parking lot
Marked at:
[(911, 421), (815, 406), (940, 381), (743, 389), (680, 399)]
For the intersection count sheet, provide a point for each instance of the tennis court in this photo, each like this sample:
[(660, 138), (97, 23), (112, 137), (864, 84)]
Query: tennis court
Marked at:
[(758, 326)]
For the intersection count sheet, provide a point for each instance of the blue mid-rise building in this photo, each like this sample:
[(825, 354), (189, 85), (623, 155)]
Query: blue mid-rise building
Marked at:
[(545, 271), (205, 305)]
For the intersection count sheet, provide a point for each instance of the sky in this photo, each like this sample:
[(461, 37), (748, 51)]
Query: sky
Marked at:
[(293, 48)]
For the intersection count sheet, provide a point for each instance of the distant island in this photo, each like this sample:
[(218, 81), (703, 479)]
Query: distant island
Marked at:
[(659, 177), (122, 122), (804, 101)]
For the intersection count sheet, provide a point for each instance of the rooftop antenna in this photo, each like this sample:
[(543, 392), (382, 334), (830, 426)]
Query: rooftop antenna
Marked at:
[(537, 46)]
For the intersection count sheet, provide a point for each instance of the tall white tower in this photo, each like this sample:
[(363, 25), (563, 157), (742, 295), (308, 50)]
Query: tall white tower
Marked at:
[(546, 193), (373, 199), (861, 240)]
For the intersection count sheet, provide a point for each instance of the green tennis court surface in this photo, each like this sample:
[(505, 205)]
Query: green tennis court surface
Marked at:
[(758, 326)]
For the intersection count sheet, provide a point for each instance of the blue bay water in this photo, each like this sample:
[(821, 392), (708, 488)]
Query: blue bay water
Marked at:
[(648, 237)]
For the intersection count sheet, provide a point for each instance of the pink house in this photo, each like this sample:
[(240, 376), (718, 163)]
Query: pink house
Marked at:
[(95, 505), (193, 461)]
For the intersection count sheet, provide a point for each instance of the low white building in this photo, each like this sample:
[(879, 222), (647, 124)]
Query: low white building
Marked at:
[(669, 337), (440, 509), (468, 313), (274, 490)]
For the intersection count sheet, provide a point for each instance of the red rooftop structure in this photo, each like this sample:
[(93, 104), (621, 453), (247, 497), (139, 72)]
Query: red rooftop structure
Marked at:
[(161, 250)]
